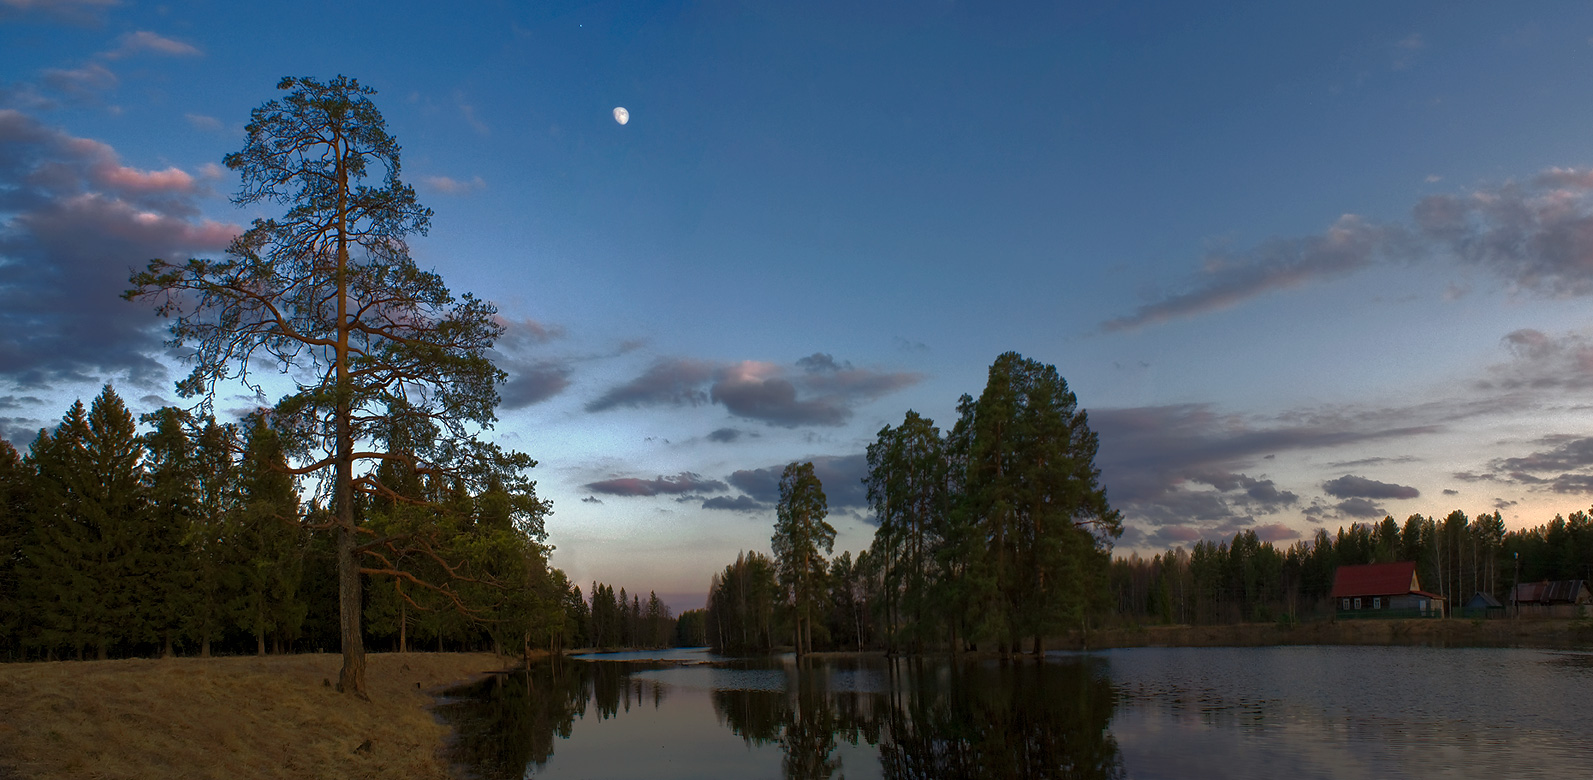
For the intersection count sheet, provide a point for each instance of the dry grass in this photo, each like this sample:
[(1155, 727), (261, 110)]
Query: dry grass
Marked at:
[(227, 717)]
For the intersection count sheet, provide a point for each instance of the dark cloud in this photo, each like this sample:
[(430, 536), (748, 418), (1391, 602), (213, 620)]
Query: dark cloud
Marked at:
[(1451, 492), (1349, 486), (1158, 462), (822, 392), (76, 222), (532, 379), (840, 475), (532, 382), (820, 362), (1360, 507), (762, 484), (1276, 532), (591, 500), (1348, 246), (684, 482), (737, 504), (725, 435), (1564, 466), (1539, 361), (676, 382), (1535, 236)]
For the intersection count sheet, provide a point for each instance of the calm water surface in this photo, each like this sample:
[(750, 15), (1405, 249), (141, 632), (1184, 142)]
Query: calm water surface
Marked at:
[(1296, 712)]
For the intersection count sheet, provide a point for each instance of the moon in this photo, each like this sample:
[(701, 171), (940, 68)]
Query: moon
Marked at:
[(621, 115)]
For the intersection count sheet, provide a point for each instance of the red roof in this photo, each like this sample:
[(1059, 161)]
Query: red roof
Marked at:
[(1376, 579)]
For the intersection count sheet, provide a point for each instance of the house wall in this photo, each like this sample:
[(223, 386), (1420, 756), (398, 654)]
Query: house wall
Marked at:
[(1398, 605)]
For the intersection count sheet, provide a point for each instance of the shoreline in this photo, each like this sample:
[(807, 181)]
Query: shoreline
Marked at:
[(1442, 632)]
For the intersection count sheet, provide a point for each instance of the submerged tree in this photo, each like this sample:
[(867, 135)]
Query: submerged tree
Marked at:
[(329, 294)]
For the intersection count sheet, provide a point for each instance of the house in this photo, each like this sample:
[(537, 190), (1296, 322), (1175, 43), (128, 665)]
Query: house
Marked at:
[(1482, 605), (1558, 598), (1383, 590)]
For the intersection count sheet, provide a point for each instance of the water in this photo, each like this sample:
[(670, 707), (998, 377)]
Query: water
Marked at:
[(1296, 712)]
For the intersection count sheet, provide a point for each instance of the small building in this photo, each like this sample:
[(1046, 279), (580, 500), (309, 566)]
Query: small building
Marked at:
[(1552, 598), (1482, 605), (1383, 590)]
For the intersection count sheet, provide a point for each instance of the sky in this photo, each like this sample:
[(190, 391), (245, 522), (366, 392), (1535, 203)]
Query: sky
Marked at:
[(1303, 266)]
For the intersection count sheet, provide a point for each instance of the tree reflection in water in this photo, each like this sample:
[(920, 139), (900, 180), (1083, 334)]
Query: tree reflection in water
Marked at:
[(927, 718)]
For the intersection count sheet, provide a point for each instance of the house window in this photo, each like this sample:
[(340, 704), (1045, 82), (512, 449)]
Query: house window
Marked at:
[(1377, 602), (1346, 603), (1357, 602)]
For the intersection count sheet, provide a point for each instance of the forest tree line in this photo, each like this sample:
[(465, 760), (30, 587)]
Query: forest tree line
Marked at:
[(1249, 579), (990, 533)]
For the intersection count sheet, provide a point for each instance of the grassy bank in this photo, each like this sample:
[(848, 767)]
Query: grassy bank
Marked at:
[(1556, 634), (271, 717)]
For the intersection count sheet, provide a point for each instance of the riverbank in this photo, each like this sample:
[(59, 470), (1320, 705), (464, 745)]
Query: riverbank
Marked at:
[(1550, 634), (248, 716)]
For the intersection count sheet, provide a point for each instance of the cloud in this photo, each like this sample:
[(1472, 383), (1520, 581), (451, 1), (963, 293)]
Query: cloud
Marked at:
[(591, 500), (532, 382), (532, 378), (684, 482), (76, 11), (468, 111), (1190, 467), (675, 382), (725, 435), (83, 83), (1565, 466), (841, 477), (1276, 532), (1539, 361), (737, 504), (1536, 236), (1361, 508), (144, 41), (1350, 245), (1349, 486), (202, 122), (448, 186), (75, 222), (820, 392)]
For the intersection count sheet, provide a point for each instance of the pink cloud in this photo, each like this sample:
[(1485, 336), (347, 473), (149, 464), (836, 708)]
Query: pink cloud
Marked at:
[(134, 180)]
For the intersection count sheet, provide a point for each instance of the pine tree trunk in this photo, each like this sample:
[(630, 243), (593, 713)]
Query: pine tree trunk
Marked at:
[(352, 677)]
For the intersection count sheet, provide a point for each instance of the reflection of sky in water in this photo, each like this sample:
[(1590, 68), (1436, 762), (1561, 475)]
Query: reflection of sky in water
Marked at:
[(778, 679), (1351, 712)]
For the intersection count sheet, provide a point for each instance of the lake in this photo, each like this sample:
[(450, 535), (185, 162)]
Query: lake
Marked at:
[(1296, 712)]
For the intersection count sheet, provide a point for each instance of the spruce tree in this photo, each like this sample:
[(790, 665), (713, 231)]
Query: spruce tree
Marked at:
[(15, 483), (266, 533), (209, 532), (170, 571)]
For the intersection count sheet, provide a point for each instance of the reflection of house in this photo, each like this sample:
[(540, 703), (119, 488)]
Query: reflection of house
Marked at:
[(1482, 605), (1385, 590), (1562, 598)]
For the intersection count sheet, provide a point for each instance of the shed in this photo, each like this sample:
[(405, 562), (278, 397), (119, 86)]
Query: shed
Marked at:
[(1552, 598), (1482, 605)]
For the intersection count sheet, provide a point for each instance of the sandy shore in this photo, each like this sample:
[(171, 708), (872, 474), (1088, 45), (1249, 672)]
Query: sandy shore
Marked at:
[(270, 717)]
